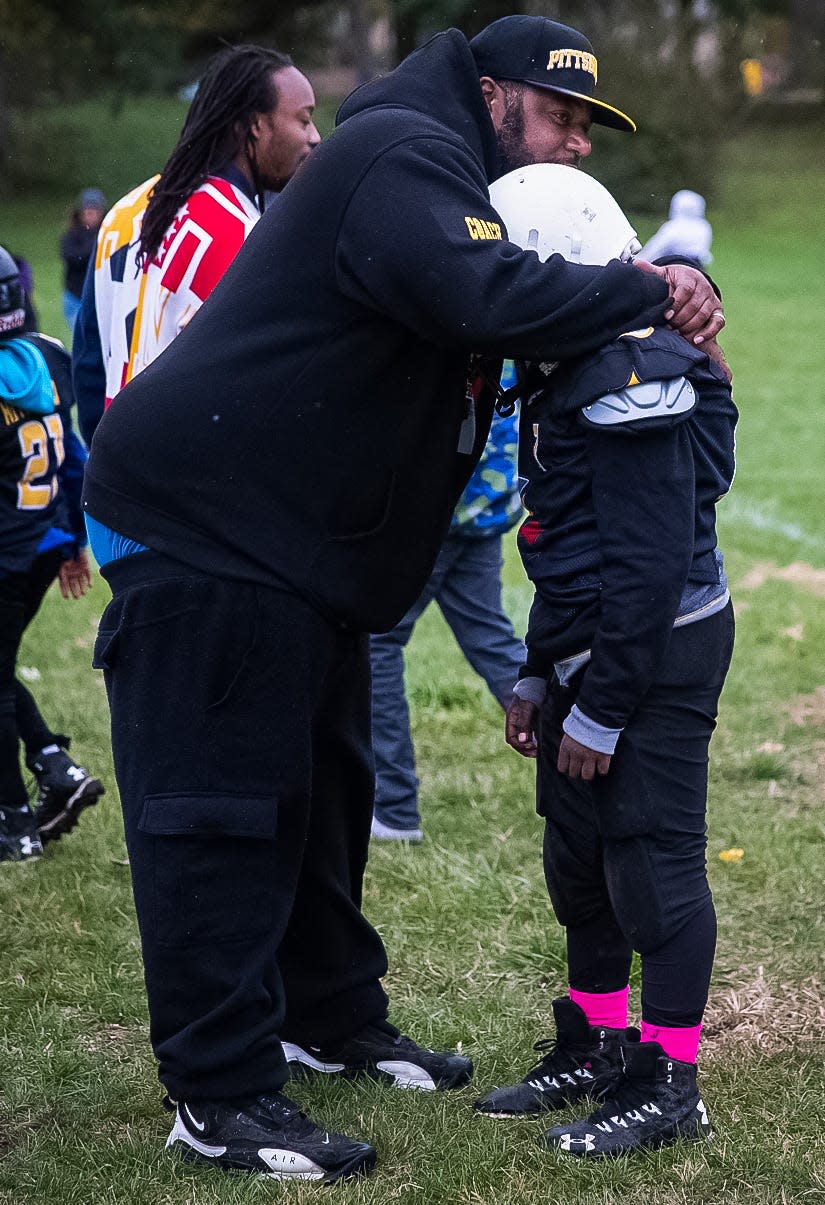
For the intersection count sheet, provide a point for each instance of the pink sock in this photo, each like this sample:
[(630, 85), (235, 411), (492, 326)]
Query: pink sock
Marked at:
[(608, 1009), (678, 1042)]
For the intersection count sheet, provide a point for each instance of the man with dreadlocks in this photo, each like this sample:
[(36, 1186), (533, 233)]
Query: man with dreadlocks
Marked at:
[(164, 246)]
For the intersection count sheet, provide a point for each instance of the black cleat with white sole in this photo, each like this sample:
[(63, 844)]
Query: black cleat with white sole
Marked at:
[(64, 791), (381, 1051), (583, 1060), (267, 1135), (656, 1104)]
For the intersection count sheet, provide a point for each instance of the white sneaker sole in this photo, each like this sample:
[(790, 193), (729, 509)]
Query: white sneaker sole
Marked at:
[(403, 1074), (284, 1164)]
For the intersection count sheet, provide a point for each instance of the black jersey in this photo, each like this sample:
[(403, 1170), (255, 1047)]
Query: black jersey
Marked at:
[(41, 467), (621, 503)]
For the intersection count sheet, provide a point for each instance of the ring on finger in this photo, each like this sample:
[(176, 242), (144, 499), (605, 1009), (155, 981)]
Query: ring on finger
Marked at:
[(718, 314)]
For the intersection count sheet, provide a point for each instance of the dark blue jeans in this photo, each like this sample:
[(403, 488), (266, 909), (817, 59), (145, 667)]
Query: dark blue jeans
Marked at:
[(466, 584)]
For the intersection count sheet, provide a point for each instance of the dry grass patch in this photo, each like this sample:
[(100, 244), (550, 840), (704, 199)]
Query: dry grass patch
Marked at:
[(116, 1041), (808, 709), (798, 573), (768, 1016)]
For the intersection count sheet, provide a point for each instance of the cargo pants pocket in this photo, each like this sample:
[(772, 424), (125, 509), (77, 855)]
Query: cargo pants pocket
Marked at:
[(209, 875)]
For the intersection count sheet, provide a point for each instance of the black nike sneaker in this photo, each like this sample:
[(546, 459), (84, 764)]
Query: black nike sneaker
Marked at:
[(267, 1135), (655, 1104), (582, 1060), (19, 840), (64, 790), (380, 1050)]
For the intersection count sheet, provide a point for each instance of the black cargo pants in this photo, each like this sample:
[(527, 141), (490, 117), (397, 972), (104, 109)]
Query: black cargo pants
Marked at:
[(241, 740)]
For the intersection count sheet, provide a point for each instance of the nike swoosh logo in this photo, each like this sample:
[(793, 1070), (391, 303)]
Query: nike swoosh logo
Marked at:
[(200, 1126)]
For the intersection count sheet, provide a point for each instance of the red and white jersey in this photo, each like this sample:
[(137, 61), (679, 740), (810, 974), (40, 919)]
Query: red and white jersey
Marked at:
[(141, 310)]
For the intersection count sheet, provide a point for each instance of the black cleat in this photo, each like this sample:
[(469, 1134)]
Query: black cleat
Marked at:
[(381, 1051), (267, 1135), (582, 1060), (656, 1103), (19, 839), (64, 791)]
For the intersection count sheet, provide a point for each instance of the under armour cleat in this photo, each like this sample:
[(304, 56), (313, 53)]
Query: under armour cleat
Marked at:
[(583, 1060), (656, 1103), (19, 839), (65, 790)]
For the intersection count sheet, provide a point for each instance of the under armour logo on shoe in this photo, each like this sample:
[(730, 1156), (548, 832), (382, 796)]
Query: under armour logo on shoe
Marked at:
[(569, 1143), (704, 1120)]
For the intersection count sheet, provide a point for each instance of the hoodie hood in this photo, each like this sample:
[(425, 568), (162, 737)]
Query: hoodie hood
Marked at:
[(439, 80), (25, 381)]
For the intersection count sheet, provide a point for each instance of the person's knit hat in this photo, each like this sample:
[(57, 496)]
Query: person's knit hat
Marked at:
[(92, 198), (545, 54)]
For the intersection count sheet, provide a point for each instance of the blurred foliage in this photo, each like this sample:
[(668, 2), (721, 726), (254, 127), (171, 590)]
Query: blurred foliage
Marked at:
[(653, 56), (680, 118)]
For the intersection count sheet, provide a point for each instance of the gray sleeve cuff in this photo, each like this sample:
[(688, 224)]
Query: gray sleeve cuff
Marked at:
[(534, 690), (588, 732)]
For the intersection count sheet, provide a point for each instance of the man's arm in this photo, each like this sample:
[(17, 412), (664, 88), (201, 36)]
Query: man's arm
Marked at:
[(421, 243)]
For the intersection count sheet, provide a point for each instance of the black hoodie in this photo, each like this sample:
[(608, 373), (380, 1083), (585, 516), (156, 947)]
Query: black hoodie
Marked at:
[(304, 430)]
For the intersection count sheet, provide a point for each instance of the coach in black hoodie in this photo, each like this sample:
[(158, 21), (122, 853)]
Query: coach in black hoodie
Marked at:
[(273, 487)]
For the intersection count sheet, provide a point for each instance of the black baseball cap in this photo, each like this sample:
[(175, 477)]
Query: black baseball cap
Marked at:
[(545, 54)]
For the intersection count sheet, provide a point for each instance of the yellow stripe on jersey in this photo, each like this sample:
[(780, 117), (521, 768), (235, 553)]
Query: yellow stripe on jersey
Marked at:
[(121, 225)]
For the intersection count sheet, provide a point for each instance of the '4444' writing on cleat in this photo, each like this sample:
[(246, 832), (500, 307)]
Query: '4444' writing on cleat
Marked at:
[(582, 1061)]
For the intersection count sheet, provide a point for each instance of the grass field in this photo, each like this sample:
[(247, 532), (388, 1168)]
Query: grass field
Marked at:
[(475, 954)]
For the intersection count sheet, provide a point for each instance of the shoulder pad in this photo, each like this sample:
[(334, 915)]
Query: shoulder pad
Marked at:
[(654, 403)]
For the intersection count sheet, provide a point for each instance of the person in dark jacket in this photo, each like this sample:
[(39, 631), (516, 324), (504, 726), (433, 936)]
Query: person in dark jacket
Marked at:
[(272, 488), (42, 537), (624, 454), (76, 246)]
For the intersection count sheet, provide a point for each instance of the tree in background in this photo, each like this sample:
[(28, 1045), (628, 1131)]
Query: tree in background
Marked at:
[(674, 64)]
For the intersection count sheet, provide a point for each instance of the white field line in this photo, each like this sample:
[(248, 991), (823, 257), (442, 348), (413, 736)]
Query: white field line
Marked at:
[(737, 510)]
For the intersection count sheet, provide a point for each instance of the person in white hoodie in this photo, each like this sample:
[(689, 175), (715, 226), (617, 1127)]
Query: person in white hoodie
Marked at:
[(687, 233)]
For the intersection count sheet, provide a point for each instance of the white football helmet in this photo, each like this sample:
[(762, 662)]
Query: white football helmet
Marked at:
[(553, 209)]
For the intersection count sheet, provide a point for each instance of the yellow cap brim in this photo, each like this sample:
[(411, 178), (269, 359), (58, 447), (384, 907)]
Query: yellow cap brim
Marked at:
[(603, 114)]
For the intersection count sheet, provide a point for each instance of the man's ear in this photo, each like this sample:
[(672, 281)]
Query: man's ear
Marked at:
[(493, 95)]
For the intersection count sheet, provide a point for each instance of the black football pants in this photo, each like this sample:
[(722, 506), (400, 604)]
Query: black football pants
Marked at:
[(625, 855), (241, 740), (20, 720)]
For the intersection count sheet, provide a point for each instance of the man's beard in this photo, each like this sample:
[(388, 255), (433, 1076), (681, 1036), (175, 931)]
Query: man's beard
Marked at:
[(512, 151)]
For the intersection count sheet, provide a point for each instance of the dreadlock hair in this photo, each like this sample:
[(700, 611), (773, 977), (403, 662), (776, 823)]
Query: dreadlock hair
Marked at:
[(236, 85)]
